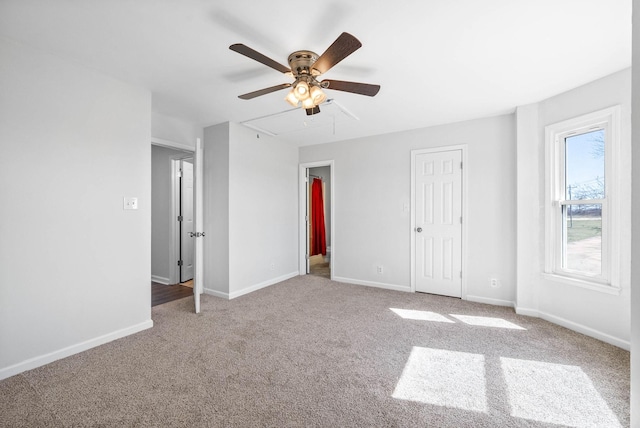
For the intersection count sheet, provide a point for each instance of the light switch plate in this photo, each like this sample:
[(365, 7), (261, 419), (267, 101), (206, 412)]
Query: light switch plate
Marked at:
[(130, 203)]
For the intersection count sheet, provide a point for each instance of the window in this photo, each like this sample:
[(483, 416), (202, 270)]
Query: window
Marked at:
[(581, 191)]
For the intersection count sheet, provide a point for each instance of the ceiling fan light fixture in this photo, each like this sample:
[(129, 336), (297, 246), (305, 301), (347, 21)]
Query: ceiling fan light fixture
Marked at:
[(301, 90), (305, 67), (308, 103), (317, 95), (291, 98)]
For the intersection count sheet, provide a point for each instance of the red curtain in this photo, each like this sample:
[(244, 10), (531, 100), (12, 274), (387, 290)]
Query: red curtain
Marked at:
[(318, 237)]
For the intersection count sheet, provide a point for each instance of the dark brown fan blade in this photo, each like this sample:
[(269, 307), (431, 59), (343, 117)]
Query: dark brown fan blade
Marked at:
[(253, 54), (264, 91), (312, 111), (344, 46), (355, 87)]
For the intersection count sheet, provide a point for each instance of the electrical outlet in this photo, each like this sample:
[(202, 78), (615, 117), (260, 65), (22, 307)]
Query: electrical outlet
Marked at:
[(272, 266), (130, 203), (494, 282), (380, 269)]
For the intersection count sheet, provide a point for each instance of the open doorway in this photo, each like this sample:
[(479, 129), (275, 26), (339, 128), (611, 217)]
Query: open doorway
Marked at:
[(172, 200), (166, 233), (316, 219), (319, 205)]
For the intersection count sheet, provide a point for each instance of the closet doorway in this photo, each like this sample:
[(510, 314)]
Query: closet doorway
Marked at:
[(316, 196)]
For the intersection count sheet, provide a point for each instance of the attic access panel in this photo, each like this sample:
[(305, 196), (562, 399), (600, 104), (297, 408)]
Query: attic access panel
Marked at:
[(295, 120)]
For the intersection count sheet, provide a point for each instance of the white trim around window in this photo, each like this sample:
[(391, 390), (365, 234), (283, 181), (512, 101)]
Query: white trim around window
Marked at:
[(608, 280)]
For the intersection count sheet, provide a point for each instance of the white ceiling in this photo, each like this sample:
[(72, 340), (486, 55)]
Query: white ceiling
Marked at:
[(438, 61)]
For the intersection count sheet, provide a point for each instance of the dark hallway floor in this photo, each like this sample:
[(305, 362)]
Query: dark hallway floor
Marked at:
[(161, 293)]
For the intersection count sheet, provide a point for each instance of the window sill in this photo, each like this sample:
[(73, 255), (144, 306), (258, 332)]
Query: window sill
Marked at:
[(582, 283)]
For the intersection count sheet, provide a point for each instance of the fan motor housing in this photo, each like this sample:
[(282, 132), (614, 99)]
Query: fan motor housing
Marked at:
[(301, 62)]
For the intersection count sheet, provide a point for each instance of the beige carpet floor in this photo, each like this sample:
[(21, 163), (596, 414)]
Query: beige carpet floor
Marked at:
[(309, 352)]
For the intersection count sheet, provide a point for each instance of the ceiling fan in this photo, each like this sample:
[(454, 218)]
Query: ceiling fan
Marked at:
[(305, 68)]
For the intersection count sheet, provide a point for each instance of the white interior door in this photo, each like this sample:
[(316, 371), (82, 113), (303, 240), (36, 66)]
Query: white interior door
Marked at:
[(187, 245), (438, 222), (198, 285)]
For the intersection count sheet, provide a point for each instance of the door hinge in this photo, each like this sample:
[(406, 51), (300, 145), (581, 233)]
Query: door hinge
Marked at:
[(460, 274), (460, 165), (179, 218), (460, 220), (180, 262)]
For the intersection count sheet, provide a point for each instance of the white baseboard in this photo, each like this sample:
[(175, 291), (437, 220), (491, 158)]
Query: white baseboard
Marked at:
[(527, 312), (160, 279), (251, 288), (583, 329), (263, 284), (372, 284), (489, 301), (588, 331), (41, 360), (216, 293)]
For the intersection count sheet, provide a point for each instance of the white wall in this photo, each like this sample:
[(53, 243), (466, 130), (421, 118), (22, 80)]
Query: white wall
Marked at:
[(635, 224), (601, 315), (373, 182), (530, 211), (216, 209), (74, 265), (263, 200), (175, 130), (257, 225)]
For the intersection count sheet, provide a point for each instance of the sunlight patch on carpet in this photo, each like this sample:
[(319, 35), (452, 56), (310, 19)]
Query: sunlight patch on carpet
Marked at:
[(444, 378), (410, 314), (487, 322), (556, 394)]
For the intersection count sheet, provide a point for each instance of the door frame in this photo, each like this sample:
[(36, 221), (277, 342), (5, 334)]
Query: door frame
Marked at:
[(465, 217), (302, 222)]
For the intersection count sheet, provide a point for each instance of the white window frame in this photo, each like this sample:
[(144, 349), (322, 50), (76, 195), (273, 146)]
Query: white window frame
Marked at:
[(609, 120)]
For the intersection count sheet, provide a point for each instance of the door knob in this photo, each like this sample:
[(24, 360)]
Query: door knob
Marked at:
[(418, 229)]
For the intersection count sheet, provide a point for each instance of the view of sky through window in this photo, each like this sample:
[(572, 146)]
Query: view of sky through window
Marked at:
[(584, 166)]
